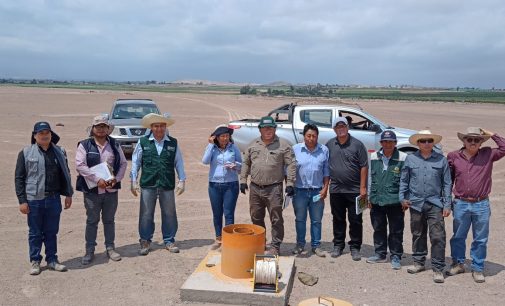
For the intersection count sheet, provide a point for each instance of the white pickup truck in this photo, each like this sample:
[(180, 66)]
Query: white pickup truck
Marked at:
[(291, 119)]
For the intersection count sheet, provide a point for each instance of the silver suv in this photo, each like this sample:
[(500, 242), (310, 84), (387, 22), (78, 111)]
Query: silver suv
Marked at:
[(126, 116)]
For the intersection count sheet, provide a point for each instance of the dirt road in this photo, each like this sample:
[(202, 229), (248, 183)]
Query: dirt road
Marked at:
[(156, 278)]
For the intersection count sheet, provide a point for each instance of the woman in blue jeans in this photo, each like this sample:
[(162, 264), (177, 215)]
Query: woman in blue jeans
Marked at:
[(225, 163)]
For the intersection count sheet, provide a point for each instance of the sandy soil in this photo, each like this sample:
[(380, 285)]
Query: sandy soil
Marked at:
[(156, 279)]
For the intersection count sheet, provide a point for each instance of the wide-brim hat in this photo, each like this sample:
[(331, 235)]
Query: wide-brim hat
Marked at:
[(473, 132), (152, 118), (220, 130), (41, 126), (424, 134), (267, 121)]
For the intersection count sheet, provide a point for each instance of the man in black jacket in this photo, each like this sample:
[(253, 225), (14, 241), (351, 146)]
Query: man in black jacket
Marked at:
[(41, 176)]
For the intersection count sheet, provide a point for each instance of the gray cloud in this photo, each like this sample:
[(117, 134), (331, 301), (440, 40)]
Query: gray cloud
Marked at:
[(430, 43)]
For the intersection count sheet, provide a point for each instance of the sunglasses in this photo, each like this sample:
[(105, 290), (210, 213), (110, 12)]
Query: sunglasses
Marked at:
[(430, 140), (473, 140)]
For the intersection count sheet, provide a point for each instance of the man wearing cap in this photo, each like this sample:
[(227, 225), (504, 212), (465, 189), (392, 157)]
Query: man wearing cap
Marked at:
[(471, 170), (100, 195), (385, 207), (159, 157), (348, 164), (41, 176), (425, 188), (265, 160)]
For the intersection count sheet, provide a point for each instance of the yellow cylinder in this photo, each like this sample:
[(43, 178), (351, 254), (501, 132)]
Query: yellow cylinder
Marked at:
[(239, 244)]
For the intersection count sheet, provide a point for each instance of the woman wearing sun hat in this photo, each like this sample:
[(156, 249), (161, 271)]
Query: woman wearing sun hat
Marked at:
[(225, 162)]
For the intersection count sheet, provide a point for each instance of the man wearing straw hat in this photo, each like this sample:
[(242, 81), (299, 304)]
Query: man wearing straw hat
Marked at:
[(100, 196), (159, 157), (425, 188), (471, 169)]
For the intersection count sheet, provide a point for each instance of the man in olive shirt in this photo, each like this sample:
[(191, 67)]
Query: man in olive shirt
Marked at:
[(265, 160), (348, 176)]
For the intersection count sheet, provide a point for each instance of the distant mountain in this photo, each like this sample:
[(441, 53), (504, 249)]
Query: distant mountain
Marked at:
[(278, 83), (210, 83)]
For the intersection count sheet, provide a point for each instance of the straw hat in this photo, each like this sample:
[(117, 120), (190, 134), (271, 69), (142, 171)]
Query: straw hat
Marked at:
[(473, 132), (424, 134), (155, 118)]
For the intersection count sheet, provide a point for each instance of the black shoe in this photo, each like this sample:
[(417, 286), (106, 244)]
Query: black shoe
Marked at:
[(355, 254), (337, 252)]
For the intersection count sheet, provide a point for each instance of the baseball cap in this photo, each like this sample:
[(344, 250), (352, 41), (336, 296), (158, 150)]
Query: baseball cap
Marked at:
[(388, 136), (340, 120)]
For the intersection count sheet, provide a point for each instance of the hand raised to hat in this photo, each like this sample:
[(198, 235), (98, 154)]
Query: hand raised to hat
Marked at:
[(486, 132), (211, 139)]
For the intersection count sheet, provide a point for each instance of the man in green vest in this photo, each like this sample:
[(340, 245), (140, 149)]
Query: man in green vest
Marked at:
[(384, 201), (159, 157)]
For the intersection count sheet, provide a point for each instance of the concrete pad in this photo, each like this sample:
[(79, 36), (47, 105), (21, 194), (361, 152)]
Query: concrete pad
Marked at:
[(209, 285)]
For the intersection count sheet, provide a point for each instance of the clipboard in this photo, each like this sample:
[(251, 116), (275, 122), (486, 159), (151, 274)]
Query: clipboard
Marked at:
[(102, 171), (361, 204)]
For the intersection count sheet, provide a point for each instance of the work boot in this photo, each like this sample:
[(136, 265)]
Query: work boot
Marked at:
[(355, 254), (144, 247), (171, 247), (337, 252), (56, 266), (113, 255), (456, 269), (88, 257), (416, 268), (478, 277), (438, 277), (297, 250), (272, 250), (318, 252), (35, 267), (217, 244), (376, 259)]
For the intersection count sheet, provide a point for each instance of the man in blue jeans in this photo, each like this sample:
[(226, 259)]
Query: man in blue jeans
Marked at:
[(471, 169), (42, 175), (159, 157), (311, 188)]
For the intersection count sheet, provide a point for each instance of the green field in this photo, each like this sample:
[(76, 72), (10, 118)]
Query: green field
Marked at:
[(465, 95)]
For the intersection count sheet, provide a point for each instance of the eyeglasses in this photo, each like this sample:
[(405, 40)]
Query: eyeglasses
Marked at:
[(473, 140), (430, 140)]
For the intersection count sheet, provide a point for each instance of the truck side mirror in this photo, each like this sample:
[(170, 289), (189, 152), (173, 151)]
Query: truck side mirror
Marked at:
[(375, 128)]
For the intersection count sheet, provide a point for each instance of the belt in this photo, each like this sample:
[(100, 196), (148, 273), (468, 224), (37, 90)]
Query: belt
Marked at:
[(265, 186), (472, 200), (51, 194), (310, 189)]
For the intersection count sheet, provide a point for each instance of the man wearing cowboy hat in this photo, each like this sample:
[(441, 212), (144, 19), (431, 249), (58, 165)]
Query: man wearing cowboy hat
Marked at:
[(471, 169), (159, 157), (425, 188), (41, 176), (102, 196)]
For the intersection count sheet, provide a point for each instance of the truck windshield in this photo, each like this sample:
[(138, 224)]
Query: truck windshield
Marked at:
[(133, 111)]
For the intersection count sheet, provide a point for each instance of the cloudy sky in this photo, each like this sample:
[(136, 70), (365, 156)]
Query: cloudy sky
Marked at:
[(369, 42)]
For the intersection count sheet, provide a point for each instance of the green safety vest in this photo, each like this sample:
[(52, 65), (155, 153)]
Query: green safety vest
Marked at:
[(158, 171), (385, 184)]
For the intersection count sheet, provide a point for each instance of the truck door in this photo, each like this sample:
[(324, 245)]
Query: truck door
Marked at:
[(322, 118), (361, 127)]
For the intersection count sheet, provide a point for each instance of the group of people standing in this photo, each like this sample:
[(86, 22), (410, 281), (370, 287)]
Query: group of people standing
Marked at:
[(391, 180)]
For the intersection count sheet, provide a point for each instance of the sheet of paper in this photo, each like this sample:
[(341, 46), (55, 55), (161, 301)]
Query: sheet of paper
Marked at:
[(361, 204), (102, 171), (287, 201)]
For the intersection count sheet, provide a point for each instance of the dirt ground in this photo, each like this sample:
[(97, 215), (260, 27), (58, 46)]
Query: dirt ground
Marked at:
[(156, 278)]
